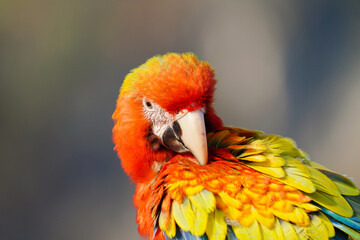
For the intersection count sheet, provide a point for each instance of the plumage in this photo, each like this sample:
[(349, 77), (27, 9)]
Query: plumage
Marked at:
[(251, 232), (216, 227), (354, 202), (347, 221), (345, 186), (243, 184), (351, 232)]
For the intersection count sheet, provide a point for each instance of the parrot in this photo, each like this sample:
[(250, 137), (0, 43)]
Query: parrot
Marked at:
[(198, 179)]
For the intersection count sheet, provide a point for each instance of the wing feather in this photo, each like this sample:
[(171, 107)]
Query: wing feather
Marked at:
[(216, 226), (183, 214), (345, 185), (288, 230), (259, 187), (248, 233), (336, 204), (204, 200)]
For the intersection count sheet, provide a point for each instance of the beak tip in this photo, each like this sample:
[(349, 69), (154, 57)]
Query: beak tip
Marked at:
[(203, 159)]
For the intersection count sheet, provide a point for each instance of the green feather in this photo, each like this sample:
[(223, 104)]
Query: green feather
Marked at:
[(354, 201), (345, 185), (336, 204), (322, 182)]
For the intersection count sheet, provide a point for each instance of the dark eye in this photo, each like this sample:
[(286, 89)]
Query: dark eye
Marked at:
[(148, 104)]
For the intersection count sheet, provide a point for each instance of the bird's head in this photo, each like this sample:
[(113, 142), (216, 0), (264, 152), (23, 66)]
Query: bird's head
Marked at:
[(164, 108)]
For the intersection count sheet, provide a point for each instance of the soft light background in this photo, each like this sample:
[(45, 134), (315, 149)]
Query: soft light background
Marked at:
[(285, 67)]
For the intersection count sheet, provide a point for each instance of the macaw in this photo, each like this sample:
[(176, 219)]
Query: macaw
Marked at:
[(197, 179)]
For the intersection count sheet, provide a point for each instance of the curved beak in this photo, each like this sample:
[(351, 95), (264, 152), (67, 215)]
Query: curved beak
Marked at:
[(193, 135)]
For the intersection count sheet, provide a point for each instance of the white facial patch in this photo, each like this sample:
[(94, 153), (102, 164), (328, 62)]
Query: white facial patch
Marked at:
[(159, 118)]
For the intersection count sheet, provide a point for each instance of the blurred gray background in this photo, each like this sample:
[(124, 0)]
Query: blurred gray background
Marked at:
[(284, 67)]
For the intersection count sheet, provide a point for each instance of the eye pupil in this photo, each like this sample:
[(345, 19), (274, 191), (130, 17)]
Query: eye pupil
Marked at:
[(148, 104)]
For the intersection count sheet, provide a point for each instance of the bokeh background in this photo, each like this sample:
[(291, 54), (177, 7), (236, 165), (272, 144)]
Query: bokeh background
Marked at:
[(284, 67)]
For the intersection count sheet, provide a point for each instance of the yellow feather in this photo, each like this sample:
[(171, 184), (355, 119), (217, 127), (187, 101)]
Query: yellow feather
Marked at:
[(327, 223), (288, 230), (271, 161), (193, 190), (233, 213), (301, 218), (250, 152), (183, 214), (248, 219), (298, 216), (176, 185), (336, 204), (283, 206), (308, 207), (279, 231), (257, 145), (297, 165), (264, 221), (200, 222), (271, 233), (248, 233), (254, 158), (302, 232), (162, 222), (317, 228), (275, 160), (170, 229), (276, 172), (287, 144), (216, 226), (283, 215), (229, 200), (322, 182), (318, 166), (298, 176), (204, 200)]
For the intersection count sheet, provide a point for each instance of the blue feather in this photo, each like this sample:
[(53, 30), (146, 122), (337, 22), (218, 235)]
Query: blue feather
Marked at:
[(189, 236), (344, 220), (183, 235), (351, 232)]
